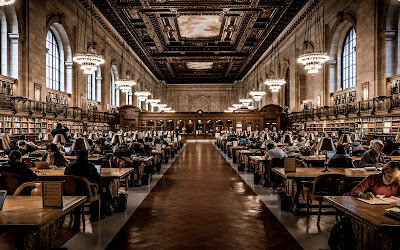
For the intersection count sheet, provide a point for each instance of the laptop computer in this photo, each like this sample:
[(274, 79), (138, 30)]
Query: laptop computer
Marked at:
[(98, 168), (3, 194), (42, 165)]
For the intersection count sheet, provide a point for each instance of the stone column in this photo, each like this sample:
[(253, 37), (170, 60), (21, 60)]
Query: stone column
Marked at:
[(13, 58), (98, 88), (389, 37), (68, 77), (333, 82)]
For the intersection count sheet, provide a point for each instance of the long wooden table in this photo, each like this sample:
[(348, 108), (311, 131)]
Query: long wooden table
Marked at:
[(39, 225), (309, 174), (373, 230)]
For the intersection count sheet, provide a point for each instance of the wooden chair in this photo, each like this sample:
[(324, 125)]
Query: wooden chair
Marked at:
[(324, 185), (77, 185), (36, 188)]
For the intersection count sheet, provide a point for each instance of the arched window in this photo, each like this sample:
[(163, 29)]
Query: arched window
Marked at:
[(52, 62), (90, 87), (287, 89), (349, 60)]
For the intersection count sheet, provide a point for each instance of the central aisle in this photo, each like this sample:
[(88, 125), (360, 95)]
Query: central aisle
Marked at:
[(201, 202)]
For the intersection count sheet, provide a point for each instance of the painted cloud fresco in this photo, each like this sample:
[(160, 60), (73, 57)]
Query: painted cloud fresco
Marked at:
[(205, 26), (199, 65)]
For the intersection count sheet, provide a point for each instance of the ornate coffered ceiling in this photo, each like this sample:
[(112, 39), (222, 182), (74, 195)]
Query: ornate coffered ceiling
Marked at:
[(199, 41)]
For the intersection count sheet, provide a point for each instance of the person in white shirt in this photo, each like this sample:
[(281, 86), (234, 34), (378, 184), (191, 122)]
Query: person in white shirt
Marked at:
[(292, 149), (274, 152)]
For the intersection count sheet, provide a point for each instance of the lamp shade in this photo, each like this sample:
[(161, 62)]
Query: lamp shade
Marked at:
[(288, 139), (326, 144), (47, 137), (344, 139), (117, 139), (3, 144), (311, 137), (92, 136), (59, 138), (80, 144)]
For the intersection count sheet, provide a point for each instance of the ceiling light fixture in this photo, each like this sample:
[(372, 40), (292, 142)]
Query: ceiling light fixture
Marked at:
[(89, 61), (125, 85), (314, 57), (257, 95), (246, 102), (142, 95), (274, 83)]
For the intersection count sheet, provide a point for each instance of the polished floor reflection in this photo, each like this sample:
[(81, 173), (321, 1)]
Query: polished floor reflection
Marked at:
[(201, 202)]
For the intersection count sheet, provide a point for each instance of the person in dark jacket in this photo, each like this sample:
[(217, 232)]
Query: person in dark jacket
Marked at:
[(54, 157), (82, 167), (16, 166), (389, 147), (60, 130), (340, 159), (26, 148)]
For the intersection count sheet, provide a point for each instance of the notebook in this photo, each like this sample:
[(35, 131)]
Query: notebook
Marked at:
[(379, 201), (42, 165), (3, 194)]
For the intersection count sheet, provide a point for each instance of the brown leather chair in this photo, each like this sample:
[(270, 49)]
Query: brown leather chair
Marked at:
[(36, 188), (324, 185)]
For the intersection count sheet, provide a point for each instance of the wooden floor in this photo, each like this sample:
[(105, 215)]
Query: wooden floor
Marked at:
[(202, 203)]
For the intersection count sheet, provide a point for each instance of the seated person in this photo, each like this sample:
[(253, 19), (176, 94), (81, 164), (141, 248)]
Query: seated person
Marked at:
[(386, 183), (389, 147), (16, 166), (340, 159), (292, 149), (274, 153), (373, 157), (26, 148), (301, 142), (97, 148), (54, 157), (82, 167), (357, 148)]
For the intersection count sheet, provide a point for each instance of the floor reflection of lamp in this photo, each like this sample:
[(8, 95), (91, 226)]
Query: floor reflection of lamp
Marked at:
[(326, 145)]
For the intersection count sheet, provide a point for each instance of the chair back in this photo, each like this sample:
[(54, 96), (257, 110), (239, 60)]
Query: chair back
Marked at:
[(301, 164), (328, 184), (10, 181), (36, 188)]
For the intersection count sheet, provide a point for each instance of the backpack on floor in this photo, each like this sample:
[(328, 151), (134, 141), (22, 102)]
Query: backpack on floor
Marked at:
[(342, 235)]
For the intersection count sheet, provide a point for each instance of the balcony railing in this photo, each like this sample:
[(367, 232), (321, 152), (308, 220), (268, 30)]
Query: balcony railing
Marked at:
[(24, 105)]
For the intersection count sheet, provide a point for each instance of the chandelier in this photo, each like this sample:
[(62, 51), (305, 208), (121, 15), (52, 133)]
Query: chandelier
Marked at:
[(167, 109), (228, 111), (313, 57), (274, 84), (153, 102), (125, 85), (257, 95), (6, 2), (237, 106), (313, 61), (161, 107), (142, 95), (231, 109), (89, 61), (246, 102)]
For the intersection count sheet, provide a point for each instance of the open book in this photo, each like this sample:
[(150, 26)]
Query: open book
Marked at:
[(381, 201)]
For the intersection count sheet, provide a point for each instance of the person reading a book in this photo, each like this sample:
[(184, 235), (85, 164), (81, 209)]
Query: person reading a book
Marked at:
[(386, 183)]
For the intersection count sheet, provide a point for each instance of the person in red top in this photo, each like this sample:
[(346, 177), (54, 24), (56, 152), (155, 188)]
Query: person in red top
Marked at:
[(387, 183)]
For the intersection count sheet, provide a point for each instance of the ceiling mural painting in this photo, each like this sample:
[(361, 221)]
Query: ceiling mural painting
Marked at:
[(199, 41)]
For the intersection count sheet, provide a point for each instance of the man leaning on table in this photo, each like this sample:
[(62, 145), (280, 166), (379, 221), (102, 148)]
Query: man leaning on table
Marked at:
[(373, 157)]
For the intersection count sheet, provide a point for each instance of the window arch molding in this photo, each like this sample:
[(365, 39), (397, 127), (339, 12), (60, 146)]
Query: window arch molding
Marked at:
[(337, 38), (54, 23)]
